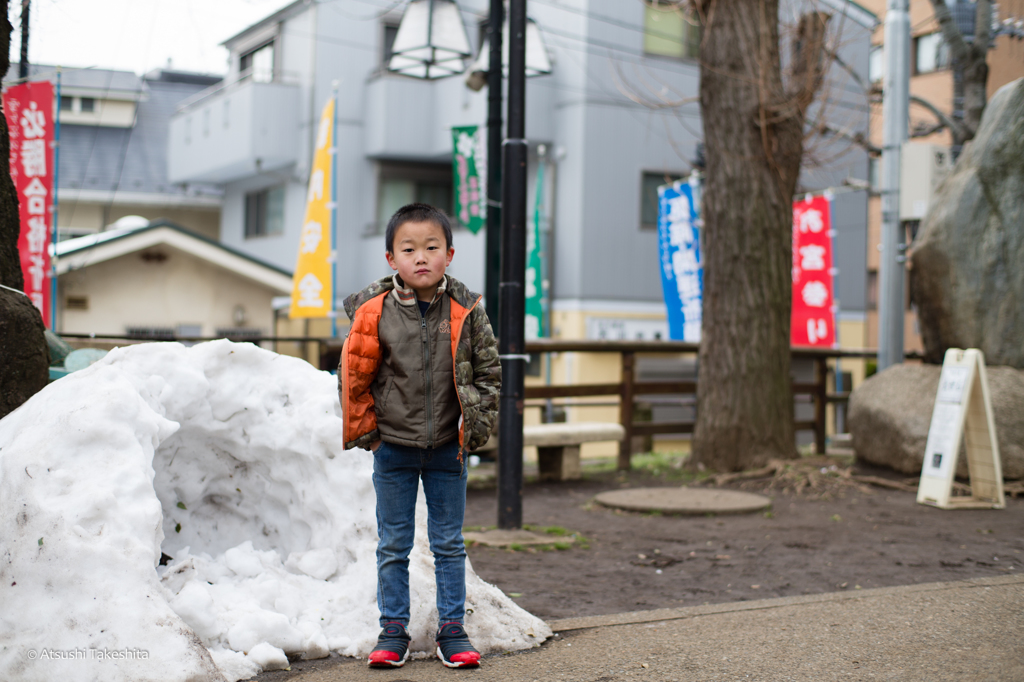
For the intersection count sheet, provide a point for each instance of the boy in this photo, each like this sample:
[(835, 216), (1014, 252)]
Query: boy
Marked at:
[(419, 382)]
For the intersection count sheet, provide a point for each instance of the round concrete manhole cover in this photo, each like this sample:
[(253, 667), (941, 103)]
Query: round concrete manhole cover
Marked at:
[(684, 500)]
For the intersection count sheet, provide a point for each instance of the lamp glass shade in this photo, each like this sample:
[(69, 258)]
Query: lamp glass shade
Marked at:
[(537, 61), (431, 41)]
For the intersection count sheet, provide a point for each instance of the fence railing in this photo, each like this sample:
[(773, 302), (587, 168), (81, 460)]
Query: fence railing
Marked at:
[(626, 389)]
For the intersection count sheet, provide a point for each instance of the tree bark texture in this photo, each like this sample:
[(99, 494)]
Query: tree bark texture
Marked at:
[(971, 58), (753, 133), (10, 222), (24, 357)]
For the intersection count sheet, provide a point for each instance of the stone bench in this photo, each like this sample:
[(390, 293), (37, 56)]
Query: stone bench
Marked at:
[(558, 445)]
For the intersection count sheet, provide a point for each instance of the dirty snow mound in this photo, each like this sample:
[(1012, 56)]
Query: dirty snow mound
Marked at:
[(226, 458)]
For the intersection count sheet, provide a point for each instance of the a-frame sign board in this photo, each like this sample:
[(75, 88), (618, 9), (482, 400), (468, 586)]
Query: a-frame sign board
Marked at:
[(963, 413)]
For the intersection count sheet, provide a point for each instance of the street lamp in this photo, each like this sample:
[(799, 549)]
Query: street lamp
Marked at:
[(511, 290), (431, 41), (537, 61)]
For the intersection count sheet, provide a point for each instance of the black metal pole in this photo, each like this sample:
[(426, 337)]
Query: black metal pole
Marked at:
[(512, 310), (492, 257), (23, 66)]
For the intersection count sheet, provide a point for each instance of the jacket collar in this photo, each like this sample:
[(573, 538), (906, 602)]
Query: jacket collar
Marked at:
[(407, 296), (458, 291)]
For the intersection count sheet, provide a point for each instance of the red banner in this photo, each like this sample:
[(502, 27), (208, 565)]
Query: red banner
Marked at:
[(29, 111), (813, 321)]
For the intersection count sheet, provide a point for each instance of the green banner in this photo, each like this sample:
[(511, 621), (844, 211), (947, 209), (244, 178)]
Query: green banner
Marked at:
[(536, 291), (469, 167)]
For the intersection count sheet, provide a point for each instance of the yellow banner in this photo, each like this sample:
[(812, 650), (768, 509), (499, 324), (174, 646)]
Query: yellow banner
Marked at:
[(312, 284)]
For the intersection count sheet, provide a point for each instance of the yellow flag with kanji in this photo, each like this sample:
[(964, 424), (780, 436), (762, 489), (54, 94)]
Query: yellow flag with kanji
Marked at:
[(312, 284)]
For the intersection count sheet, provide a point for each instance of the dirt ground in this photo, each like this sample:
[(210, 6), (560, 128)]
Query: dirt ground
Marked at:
[(838, 536)]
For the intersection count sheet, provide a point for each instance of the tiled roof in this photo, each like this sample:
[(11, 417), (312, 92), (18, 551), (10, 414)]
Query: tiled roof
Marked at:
[(124, 159)]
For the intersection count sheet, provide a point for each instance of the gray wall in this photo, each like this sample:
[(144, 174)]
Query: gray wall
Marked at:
[(601, 141)]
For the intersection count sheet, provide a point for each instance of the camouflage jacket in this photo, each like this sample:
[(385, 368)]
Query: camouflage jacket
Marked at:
[(475, 364)]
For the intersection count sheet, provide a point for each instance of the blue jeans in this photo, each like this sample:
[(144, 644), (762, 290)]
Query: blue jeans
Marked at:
[(397, 470)]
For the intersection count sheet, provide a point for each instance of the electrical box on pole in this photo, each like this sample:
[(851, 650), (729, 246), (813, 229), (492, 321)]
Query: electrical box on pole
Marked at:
[(922, 167)]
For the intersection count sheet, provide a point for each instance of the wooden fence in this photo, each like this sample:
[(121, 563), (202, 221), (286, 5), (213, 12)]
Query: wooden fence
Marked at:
[(628, 387)]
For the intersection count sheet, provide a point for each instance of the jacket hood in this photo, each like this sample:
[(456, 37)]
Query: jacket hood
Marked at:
[(456, 289)]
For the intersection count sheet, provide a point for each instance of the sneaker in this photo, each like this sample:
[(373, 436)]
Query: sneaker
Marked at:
[(454, 649), (392, 648)]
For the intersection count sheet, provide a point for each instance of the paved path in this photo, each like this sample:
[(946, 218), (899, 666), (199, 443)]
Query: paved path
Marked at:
[(970, 630)]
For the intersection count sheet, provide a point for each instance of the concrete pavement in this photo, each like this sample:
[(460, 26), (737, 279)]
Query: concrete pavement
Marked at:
[(968, 630)]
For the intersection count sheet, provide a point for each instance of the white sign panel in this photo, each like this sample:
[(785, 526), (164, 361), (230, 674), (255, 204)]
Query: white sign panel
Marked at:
[(962, 413)]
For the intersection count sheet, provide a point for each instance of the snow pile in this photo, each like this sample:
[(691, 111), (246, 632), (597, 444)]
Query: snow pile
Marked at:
[(221, 456)]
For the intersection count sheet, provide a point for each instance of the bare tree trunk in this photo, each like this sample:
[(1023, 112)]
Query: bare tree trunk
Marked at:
[(10, 222), (24, 356), (753, 132), (972, 61)]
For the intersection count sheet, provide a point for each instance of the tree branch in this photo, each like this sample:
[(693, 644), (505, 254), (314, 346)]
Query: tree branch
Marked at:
[(955, 127), (868, 88), (950, 33), (857, 137), (982, 27)]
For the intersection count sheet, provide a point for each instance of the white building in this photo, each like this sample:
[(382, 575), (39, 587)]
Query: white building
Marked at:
[(618, 116)]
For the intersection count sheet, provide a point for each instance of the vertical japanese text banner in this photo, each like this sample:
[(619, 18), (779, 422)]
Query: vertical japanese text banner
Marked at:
[(312, 284), (469, 169), (813, 319), (680, 259), (536, 292), (29, 110)]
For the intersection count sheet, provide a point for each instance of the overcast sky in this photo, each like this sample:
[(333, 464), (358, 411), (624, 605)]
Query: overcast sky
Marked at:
[(135, 35)]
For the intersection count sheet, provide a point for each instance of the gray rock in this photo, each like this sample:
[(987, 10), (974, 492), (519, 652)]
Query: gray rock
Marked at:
[(967, 281), (890, 414), (24, 357)]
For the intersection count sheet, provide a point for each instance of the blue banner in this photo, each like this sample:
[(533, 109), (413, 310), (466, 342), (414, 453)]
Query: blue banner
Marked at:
[(679, 252)]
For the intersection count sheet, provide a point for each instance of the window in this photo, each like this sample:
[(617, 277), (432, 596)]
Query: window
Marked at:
[(88, 105), (669, 31), (66, 102), (872, 286), (390, 31), (649, 197), (875, 173), (259, 63), (876, 64), (401, 184), (930, 53), (264, 212), (76, 303)]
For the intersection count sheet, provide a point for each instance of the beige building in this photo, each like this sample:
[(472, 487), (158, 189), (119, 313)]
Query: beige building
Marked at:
[(161, 280), (932, 79)]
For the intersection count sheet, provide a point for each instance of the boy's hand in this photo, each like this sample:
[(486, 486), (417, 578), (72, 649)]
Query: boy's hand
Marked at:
[(374, 445)]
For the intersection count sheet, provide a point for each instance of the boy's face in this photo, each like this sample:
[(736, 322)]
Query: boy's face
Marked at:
[(420, 257)]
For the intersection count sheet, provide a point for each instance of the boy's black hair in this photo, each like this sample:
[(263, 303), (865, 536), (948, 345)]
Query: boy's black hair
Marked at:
[(418, 213)]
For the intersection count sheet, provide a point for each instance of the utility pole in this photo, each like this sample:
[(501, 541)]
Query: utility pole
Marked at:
[(512, 309), (23, 66), (895, 115), (492, 247)]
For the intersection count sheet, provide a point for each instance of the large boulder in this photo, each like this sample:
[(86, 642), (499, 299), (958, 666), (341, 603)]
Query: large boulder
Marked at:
[(890, 414), (24, 358), (967, 281)]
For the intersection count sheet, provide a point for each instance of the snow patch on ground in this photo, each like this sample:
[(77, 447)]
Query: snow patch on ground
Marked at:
[(229, 459)]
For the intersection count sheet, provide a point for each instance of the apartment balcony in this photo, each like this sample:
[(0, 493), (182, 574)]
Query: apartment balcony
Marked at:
[(234, 131)]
